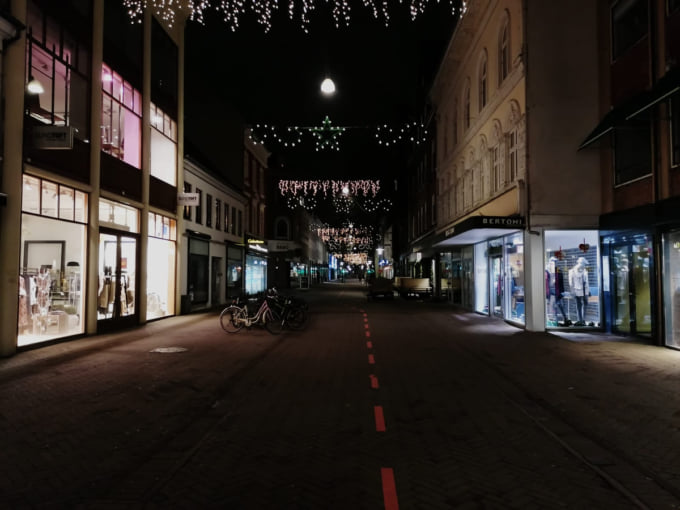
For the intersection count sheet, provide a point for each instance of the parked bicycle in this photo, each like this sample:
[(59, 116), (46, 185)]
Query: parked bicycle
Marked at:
[(291, 310), (237, 316)]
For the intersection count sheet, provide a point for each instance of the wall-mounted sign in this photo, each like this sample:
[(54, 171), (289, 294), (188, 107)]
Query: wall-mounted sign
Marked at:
[(53, 137), (187, 199)]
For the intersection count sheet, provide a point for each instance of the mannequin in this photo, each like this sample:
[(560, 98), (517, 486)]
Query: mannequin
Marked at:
[(554, 289), (578, 285)]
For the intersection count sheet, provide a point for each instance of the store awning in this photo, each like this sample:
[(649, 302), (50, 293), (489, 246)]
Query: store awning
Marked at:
[(664, 88), (480, 228)]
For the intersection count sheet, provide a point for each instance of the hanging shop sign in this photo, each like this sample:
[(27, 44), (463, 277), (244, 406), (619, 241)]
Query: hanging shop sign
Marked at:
[(53, 137), (187, 199), (486, 222)]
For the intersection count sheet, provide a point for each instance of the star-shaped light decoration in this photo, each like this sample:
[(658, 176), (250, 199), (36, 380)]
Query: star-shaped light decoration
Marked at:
[(327, 136)]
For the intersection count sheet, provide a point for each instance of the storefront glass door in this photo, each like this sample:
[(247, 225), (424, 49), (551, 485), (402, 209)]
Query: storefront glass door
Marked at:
[(497, 285), (631, 285), (116, 303)]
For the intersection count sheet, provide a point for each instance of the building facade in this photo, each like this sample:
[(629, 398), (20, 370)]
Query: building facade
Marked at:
[(637, 138), (211, 246), (91, 144), (517, 204)]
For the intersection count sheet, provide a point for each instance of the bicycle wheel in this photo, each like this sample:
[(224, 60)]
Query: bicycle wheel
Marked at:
[(273, 321), (231, 319), (297, 318)]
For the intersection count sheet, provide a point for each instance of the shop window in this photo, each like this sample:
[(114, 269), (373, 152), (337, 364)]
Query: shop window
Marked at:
[(121, 127), (160, 273), (572, 278), (514, 278), (52, 261), (632, 153), (198, 270), (480, 277), (208, 210), (671, 256), (163, 146), (629, 19), (675, 130)]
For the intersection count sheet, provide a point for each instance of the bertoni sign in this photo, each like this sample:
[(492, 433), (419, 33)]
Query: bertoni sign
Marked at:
[(486, 222)]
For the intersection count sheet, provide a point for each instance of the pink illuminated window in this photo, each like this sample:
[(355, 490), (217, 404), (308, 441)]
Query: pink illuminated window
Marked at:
[(121, 128)]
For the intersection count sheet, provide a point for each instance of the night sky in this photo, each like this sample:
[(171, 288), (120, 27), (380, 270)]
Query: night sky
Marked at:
[(382, 75)]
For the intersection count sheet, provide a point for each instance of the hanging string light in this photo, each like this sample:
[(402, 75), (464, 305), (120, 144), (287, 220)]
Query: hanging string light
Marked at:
[(365, 187), (233, 10), (327, 136)]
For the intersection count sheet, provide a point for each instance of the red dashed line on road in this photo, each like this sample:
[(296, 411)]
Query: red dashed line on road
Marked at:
[(379, 419), (368, 333), (365, 319), (389, 489), (371, 359), (369, 344), (374, 382), (366, 326)]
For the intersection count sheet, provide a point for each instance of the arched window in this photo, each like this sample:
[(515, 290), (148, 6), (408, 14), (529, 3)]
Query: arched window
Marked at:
[(282, 229), (504, 51), (466, 103), (482, 82)]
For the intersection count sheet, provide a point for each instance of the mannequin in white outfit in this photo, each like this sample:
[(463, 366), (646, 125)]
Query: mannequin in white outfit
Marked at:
[(578, 286)]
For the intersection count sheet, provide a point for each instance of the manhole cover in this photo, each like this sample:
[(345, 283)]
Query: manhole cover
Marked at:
[(168, 349)]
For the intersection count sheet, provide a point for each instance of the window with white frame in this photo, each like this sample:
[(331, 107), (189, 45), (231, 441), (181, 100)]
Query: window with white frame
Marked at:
[(163, 146), (512, 156), (496, 168)]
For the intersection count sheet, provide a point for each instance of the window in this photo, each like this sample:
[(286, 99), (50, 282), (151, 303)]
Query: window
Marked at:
[(199, 207), (454, 126), (208, 210), (504, 53), (673, 5), (629, 24), (632, 153), (496, 169), (240, 222), (482, 83), (232, 229), (121, 127), (163, 146), (218, 213), (226, 217), (281, 228), (675, 130), (46, 198), (512, 156), (62, 66), (187, 208), (466, 102)]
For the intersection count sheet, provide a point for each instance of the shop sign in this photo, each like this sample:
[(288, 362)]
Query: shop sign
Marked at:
[(184, 199), (485, 222), (53, 137)]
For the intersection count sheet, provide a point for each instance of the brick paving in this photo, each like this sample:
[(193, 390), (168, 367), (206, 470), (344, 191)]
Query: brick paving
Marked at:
[(478, 415)]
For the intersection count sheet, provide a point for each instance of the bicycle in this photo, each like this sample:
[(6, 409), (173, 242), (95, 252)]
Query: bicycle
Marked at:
[(291, 311), (234, 317)]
